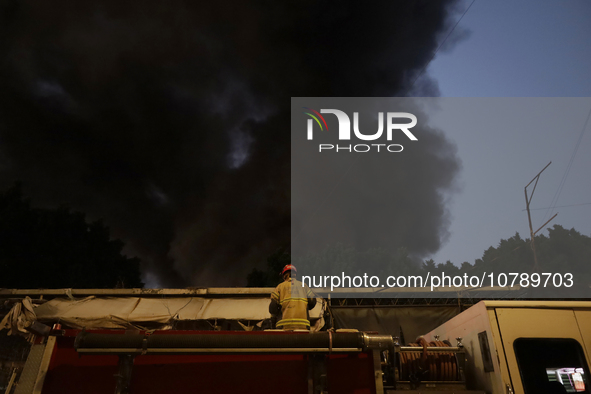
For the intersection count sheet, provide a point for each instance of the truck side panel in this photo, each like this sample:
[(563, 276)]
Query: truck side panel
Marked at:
[(584, 321), (517, 323), (467, 325)]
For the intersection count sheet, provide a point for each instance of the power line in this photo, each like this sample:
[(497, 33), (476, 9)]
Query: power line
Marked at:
[(560, 206), (439, 47), (554, 201)]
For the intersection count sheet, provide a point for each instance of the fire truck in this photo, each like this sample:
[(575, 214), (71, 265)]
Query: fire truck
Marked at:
[(221, 341)]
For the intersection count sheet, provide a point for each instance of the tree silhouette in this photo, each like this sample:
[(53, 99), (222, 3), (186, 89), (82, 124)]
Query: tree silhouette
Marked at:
[(57, 248), (334, 260), (561, 251), (271, 276)]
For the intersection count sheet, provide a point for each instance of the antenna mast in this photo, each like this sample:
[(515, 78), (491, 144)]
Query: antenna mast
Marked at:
[(533, 233)]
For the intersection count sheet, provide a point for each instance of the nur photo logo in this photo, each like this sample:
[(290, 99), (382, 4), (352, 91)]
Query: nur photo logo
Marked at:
[(393, 125)]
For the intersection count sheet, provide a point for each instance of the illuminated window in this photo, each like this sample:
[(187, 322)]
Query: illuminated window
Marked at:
[(552, 365)]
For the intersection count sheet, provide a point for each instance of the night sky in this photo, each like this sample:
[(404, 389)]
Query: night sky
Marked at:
[(533, 48), (170, 120)]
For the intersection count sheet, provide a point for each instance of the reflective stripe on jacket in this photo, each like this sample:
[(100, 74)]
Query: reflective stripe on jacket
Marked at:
[(293, 296)]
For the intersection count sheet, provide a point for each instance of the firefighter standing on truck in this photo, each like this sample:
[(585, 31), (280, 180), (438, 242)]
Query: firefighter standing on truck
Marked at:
[(292, 300)]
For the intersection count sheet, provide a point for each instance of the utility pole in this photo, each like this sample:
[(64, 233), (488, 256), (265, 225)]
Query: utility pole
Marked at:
[(533, 233)]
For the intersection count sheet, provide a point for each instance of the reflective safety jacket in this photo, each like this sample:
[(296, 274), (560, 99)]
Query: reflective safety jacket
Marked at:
[(294, 299)]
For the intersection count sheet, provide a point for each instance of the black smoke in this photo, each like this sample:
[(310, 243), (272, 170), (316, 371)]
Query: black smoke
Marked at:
[(170, 120)]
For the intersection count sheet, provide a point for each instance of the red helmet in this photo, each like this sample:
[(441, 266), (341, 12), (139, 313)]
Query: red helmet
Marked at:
[(289, 267)]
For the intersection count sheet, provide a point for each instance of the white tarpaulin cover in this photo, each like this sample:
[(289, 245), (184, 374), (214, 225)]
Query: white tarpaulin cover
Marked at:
[(20, 316), (134, 312)]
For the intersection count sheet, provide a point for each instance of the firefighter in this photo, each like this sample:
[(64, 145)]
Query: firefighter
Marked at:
[(291, 300)]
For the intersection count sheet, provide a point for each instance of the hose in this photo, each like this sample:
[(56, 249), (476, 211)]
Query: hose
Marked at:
[(425, 365), (333, 341)]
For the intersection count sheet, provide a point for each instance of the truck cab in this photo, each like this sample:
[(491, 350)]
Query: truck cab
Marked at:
[(524, 347)]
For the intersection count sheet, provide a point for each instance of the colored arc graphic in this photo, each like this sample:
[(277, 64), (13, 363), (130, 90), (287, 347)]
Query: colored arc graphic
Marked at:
[(316, 119)]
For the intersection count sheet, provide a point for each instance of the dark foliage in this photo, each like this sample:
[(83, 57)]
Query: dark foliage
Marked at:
[(271, 276), (57, 248), (562, 251)]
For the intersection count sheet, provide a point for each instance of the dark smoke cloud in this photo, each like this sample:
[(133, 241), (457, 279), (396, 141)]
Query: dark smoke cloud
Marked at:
[(170, 119), (370, 200)]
